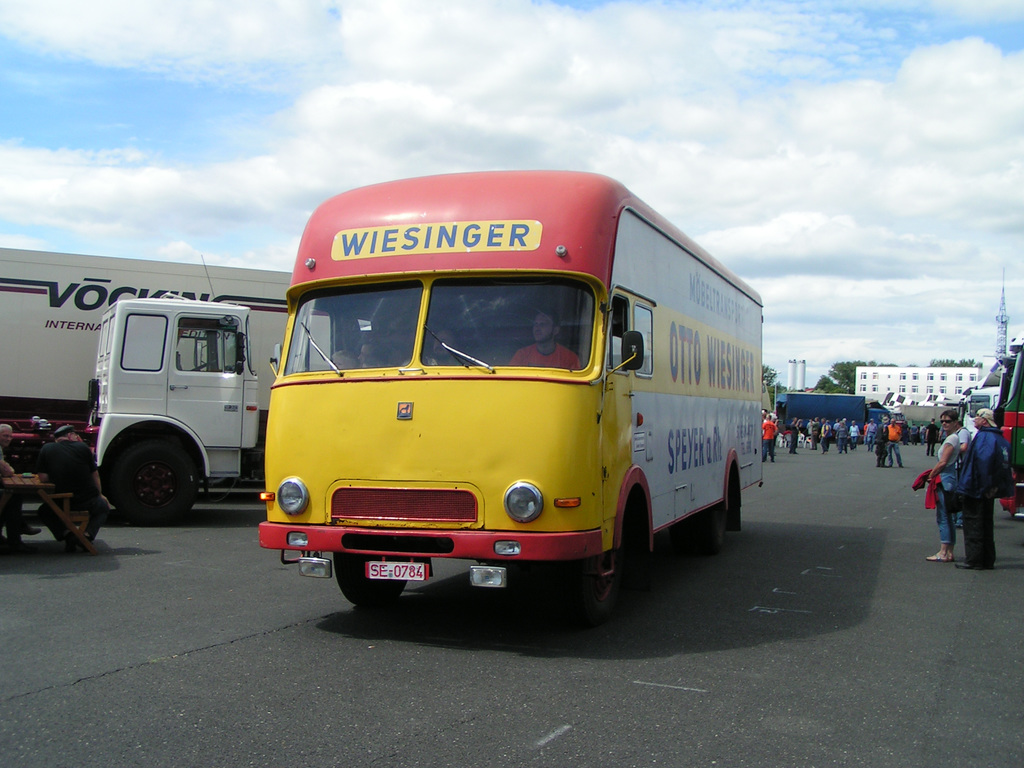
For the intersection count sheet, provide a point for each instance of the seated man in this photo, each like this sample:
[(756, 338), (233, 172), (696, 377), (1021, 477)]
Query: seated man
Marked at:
[(546, 352), (12, 520), (70, 465)]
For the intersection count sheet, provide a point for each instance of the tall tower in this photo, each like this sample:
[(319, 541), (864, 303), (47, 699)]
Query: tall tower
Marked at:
[(1002, 320)]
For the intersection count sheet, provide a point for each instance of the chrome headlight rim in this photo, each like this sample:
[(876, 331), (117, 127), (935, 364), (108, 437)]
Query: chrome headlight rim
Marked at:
[(523, 502), (292, 496)]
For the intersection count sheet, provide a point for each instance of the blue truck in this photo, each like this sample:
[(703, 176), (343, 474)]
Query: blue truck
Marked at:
[(807, 405)]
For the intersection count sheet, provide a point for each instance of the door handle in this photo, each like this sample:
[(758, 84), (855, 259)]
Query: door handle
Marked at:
[(178, 386)]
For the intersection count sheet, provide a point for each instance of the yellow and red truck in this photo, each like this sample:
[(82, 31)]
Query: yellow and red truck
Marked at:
[(507, 368)]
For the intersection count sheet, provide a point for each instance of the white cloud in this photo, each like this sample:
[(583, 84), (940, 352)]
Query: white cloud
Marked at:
[(843, 171), (197, 37), (22, 242), (277, 257), (984, 10)]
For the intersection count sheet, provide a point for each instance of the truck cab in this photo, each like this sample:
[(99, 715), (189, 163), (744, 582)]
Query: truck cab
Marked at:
[(176, 401), (1009, 410)]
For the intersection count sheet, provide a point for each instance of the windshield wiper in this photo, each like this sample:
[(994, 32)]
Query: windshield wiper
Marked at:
[(316, 346), (458, 353)]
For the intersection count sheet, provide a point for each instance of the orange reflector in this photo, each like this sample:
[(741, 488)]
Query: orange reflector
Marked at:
[(268, 496), (568, 503), (639, 419)]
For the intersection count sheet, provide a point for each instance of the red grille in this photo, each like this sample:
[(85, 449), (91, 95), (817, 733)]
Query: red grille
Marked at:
[(437, 505)]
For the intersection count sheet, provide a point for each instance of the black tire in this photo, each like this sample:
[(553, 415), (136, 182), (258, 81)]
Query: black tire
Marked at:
[(700, 534), (592, 598), (681, 536), (154, 483), (710, 530), (350, 571)]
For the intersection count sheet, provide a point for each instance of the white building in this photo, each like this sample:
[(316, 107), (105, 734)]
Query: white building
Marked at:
[(916, 385)]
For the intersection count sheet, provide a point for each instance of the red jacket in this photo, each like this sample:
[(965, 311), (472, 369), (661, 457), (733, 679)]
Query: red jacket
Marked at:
[(929, 493)]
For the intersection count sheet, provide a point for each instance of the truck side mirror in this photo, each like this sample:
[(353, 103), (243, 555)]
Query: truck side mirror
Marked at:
[(239, 352), (94, 394), (275, 359), (632, 347)]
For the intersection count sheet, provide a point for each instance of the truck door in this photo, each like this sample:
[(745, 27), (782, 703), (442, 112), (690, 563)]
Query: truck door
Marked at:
[(204, 390), (617, 410)]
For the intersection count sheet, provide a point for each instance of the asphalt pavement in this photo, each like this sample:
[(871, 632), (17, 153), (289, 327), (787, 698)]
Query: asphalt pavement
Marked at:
[(820, 636)]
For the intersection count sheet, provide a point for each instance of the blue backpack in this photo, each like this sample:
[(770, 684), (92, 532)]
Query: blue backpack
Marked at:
[(986, 471)]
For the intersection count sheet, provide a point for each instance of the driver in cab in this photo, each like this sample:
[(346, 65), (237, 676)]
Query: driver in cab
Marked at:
[(546, 352)]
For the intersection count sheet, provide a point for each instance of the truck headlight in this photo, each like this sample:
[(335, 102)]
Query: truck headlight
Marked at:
[(523, 502), (292, 496)]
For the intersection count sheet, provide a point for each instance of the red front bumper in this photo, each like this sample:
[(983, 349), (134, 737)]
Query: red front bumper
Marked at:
[(464, 545)]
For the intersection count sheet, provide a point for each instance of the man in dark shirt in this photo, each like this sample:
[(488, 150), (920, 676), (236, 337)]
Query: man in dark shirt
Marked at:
[(70, 465), (931, 435)]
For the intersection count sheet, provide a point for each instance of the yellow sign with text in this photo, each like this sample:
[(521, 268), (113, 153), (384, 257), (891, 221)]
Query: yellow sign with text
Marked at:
[(438, 237), (693, 358)]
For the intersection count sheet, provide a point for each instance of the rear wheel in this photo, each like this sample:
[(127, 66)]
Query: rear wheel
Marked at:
[(154, 483), (700, 534), (710, 530), (350, 571), (594, 586)]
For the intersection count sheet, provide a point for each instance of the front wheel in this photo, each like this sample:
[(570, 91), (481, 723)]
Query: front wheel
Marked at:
[(594, 586), (154, 483), (350, 571)]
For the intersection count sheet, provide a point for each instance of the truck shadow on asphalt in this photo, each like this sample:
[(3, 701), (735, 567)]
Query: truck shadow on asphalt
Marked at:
[(229, 513), (48, 560), (773, 582)]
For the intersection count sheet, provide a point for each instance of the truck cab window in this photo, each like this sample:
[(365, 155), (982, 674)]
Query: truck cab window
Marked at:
[(365, 327), (144, 343), (643, 321), (529, 321), (205, 345), (619, 324)]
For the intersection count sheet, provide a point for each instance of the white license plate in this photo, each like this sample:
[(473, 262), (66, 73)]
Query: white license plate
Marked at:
[(396, 571)]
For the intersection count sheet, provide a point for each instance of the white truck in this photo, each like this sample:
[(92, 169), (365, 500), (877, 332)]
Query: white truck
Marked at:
[(162, 432), (177, 400)]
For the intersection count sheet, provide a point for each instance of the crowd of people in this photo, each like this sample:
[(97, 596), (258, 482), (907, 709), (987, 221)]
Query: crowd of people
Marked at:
[(884, 436)]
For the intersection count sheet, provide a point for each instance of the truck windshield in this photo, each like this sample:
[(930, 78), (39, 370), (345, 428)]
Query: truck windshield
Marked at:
[(470, 322), (541, 322), (373, 327)]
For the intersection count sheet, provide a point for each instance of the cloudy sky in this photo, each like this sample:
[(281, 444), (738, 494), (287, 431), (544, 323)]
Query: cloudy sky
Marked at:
[(861, 164)]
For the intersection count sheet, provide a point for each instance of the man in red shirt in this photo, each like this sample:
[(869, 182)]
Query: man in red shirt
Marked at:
[(768, 432), (546, 352)]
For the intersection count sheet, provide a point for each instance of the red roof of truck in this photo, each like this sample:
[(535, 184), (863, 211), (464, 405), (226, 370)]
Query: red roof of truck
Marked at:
[(579, 211)]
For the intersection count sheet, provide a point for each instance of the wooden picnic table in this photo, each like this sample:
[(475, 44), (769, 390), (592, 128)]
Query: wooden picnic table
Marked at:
[(74, 521)]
